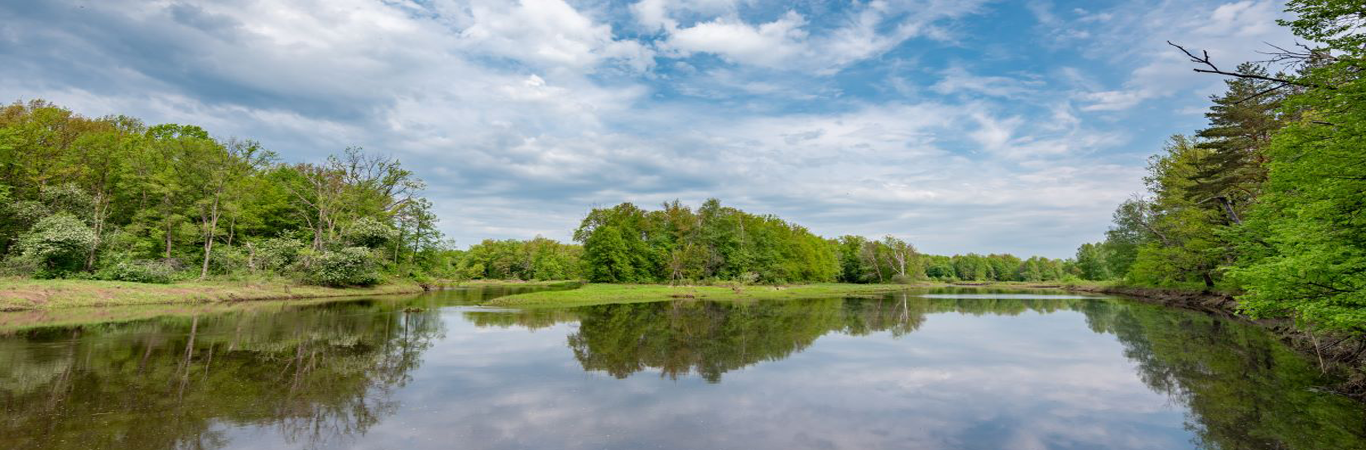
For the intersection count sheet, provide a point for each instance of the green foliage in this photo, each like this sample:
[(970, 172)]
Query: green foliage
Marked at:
[(139, 272), (1305, 242), (609, 258), (369, 232), (537, 259), (275, 254), (174, 192), (58, 242), (1272, 193), (350, 266), (627, 244), (1092, 262)]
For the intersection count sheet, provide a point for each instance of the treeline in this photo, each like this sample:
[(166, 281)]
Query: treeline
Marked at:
[(113, 198), (511, 259), (1266, 202), (625, 243)]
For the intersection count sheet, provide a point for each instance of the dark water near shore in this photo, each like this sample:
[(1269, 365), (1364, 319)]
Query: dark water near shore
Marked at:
[(921, 369)]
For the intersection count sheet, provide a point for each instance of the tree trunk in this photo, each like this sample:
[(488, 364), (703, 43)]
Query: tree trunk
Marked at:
[(1228, 207), (251, 257), (101, 210), (210, 227), (166, 212)]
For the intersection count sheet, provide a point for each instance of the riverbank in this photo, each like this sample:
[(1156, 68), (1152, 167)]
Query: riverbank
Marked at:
[(598, 294), (1340, 355), (19, 294), (27, 294)]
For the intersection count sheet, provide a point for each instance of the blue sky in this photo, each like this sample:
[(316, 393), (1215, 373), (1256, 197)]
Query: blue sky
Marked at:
[(962, 126)]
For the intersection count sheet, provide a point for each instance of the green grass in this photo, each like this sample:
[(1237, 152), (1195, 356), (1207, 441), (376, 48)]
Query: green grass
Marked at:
[(16, 321), (597, 294), (26, 294), (444, 284)]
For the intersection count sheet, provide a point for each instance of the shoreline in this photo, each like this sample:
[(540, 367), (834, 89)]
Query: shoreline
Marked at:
[(1339, 356), (609, 293), (1342, 357), (18, 295)]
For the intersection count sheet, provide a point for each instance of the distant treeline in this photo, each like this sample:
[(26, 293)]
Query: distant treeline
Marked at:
[(675, 243), (1269, 201), (113, 198)]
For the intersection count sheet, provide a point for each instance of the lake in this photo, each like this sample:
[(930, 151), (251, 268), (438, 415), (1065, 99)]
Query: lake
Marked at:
[(932, 369)]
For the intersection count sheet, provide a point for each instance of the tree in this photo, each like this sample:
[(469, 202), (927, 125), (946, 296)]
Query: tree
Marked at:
[(608, 257), (1092, 261), (904, 259), (173, 192), (1242, 121), (219, 172)]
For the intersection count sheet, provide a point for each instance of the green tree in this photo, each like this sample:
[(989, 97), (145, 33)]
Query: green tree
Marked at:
[(608, 256)]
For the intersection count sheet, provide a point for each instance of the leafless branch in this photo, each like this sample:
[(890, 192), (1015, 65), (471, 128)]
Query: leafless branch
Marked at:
[(1204, 59)]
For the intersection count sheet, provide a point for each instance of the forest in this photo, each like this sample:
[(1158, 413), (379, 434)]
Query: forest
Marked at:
[(112, 198), (674, 244), (1266, 201)]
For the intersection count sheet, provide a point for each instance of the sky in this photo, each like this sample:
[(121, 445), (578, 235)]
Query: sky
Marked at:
[(959, 125)]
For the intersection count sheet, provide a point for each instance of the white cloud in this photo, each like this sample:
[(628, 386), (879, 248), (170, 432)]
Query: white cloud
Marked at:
[(957, 79), (771, 44), (868, 31), (1138, 34), (521, 115), (547, 33)]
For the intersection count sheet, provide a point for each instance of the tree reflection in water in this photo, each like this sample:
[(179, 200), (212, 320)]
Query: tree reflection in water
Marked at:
[(318, 375), (1242, 387), (323, 375)]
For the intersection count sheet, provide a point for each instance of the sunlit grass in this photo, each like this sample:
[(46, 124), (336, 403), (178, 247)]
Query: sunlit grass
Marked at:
[(27, 294), (595, 294)]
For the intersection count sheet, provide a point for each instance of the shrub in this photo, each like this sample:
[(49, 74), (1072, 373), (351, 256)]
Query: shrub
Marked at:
[(59, 243), (225, 259), (139, 272), (350, 266), (69, 198), (370, 233), (277, 253), (18, 265)]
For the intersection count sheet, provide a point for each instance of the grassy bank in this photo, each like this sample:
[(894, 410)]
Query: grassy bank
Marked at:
[(26, 294), (596, 294), (16, 321)]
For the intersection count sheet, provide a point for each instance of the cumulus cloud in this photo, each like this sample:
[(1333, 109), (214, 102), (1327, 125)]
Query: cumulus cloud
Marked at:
[(786, 42), (522, 115)]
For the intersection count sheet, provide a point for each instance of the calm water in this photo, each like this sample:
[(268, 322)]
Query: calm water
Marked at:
[(941, 369)]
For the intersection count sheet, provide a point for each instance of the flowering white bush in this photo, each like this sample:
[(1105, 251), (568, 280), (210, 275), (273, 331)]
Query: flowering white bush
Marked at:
[(351, 266), (370, 233), (59, 242), (275, 254)]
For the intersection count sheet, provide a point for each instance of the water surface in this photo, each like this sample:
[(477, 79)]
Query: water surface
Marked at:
[(919, 369)]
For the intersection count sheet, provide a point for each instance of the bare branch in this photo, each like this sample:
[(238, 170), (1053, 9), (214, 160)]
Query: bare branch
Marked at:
[(1259, 94), (1205, 60)]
